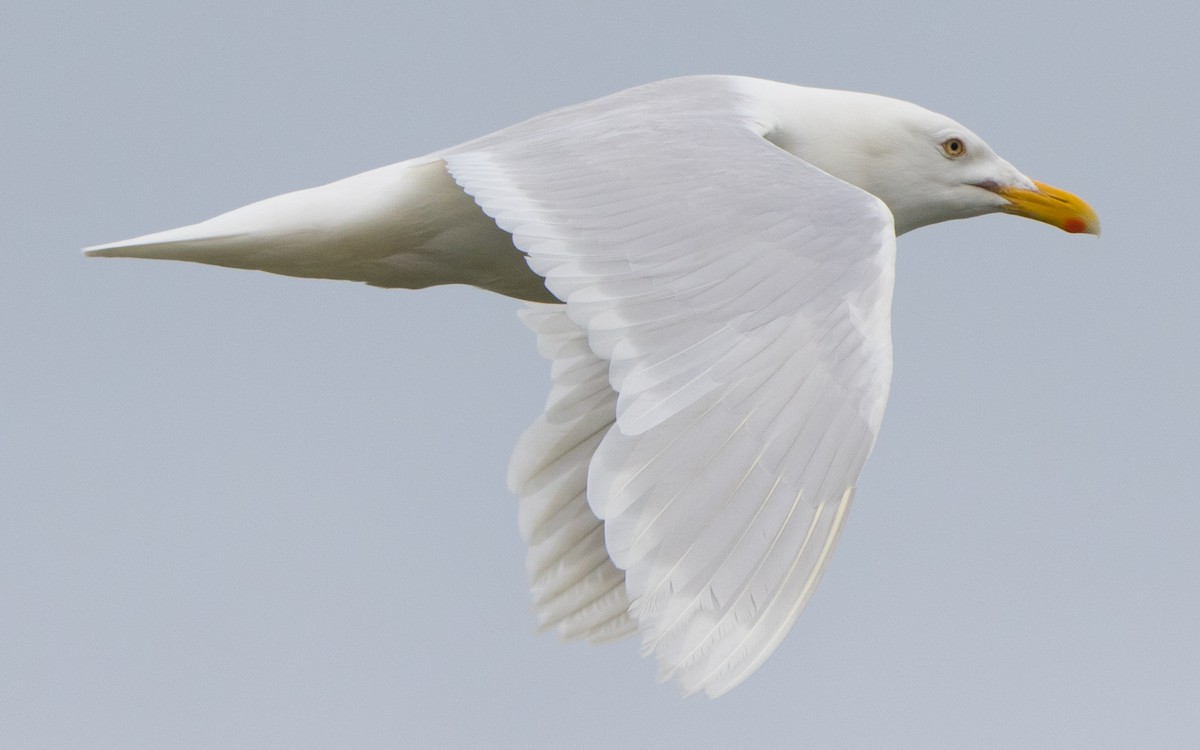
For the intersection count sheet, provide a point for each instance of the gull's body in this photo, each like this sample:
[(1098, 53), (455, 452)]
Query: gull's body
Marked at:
[(725, 249)]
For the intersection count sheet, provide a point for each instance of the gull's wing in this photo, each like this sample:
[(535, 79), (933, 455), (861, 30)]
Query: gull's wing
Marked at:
[(576, 588), (741, 300)]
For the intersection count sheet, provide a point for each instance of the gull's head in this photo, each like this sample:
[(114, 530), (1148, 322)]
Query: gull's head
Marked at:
[(926, 167)]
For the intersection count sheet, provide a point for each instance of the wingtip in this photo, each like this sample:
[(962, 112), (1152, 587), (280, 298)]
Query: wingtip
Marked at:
[(133, 247), (194, 242), (101, 251)]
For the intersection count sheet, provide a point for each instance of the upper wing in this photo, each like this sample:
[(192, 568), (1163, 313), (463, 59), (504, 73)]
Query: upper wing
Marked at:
[(741, 299)]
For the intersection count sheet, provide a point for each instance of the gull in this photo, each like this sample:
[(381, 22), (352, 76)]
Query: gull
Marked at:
[(709, 264)]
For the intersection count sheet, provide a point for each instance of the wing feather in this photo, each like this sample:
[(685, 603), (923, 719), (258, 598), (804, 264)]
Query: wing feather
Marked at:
[(720, 367), (576, 588)]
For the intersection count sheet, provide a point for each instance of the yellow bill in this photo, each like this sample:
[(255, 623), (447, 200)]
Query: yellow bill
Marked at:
[(1053, 206)]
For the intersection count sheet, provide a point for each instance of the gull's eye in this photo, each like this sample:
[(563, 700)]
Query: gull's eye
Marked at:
[(954, 148)]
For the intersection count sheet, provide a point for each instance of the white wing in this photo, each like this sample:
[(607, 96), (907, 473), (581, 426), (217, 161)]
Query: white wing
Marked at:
[(576, 588), (741, 300)]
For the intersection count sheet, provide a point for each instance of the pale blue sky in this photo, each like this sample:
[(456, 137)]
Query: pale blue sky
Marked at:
[(247, 511)]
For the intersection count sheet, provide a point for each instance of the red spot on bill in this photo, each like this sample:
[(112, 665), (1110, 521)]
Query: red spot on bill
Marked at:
[(1074, 225)]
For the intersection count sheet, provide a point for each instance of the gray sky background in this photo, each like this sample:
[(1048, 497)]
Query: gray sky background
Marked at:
[(247, 511)]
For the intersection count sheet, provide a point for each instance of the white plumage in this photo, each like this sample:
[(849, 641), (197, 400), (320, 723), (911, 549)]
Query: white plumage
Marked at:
[(725, 249)]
